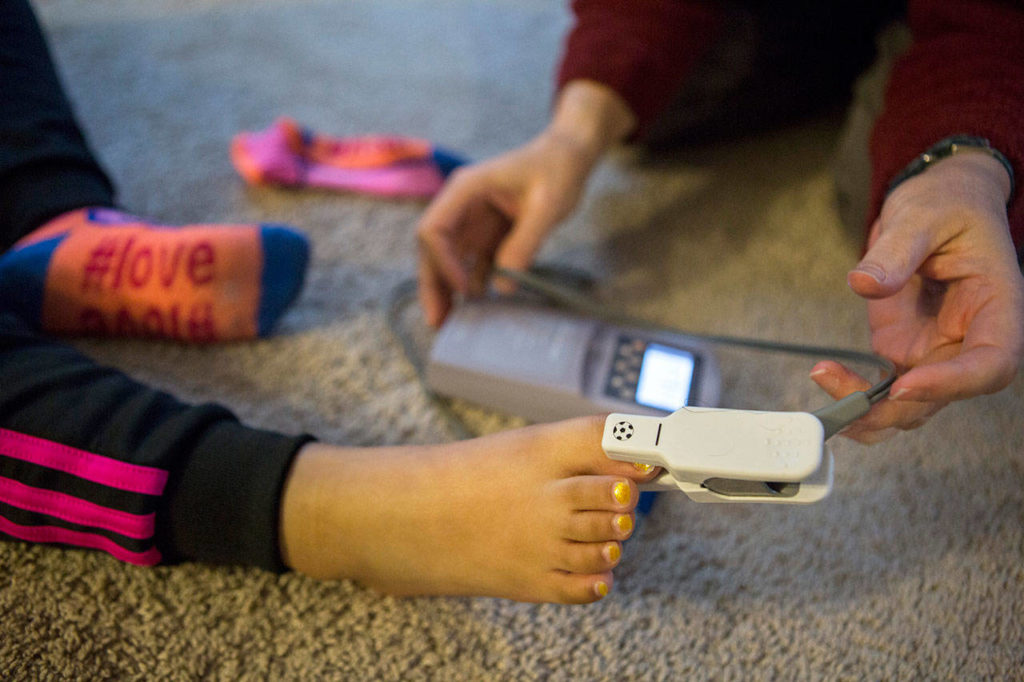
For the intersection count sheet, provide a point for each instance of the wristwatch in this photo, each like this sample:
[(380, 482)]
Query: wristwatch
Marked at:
[(949, 147)]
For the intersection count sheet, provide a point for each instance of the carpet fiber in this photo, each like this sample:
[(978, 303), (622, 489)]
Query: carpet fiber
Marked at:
[(912, 568)]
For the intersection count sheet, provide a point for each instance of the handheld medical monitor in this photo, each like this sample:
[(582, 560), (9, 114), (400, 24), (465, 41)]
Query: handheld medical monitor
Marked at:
[(544, 364)]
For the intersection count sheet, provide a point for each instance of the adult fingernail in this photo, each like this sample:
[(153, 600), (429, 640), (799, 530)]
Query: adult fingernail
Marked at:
[(643, 468), (873, 271), (624, 523), (621, 493), (601, 589), (612, 552), (899, 394)]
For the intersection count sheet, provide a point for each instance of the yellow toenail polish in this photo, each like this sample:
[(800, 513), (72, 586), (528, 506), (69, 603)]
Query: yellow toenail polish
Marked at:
[(613, 552), (601, 589), (643, 468), (624, 523), (621, 492)]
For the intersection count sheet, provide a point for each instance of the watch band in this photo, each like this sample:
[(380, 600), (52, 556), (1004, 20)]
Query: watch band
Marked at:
[(949, 147)]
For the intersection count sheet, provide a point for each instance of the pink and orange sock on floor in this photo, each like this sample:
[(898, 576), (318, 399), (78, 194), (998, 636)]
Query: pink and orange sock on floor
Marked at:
[(101, 272), (392, 166)]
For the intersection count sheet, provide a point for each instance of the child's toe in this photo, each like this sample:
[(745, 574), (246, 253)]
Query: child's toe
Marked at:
[(597, 526)]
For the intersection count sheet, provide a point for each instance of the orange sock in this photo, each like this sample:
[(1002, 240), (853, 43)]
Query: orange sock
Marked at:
[(103, 272)]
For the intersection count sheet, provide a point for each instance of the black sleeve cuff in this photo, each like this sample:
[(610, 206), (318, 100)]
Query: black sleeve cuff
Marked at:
[(224, 505)]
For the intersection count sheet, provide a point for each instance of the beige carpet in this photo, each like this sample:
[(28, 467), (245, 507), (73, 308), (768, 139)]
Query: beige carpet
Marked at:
[(911, 569)]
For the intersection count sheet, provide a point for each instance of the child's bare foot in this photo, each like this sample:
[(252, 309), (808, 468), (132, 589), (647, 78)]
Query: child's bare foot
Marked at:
[(534, 514)]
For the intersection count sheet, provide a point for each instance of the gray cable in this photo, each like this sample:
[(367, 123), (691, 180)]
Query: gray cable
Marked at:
[(400, 295), (575, 302)]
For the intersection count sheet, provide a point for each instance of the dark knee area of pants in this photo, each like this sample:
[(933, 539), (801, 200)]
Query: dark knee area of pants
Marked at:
[(46, 166)]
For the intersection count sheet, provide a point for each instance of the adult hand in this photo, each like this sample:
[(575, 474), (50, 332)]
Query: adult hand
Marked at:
[(945, 295), (496, 212), (499, 212)]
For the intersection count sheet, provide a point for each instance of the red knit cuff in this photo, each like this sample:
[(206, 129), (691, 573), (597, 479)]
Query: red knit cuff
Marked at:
[(642, 49), (953, 83)]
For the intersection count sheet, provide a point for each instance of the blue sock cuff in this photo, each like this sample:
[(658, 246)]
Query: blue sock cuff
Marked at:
[(23, 279), (447, 161), (285, 259)]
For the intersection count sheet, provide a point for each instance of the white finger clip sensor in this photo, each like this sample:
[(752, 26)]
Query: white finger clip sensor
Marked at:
[(719, 455)]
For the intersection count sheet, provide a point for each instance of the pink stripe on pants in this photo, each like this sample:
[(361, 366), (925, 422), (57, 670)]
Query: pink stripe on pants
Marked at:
[(92, 467), (54, 534), (76, 510)]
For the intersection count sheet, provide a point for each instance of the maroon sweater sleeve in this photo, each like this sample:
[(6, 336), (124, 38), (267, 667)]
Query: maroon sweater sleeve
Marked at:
[(964, 74), (642, 49)]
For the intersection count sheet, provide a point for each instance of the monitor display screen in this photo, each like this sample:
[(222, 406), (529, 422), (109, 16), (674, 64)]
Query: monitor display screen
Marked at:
[(666, 375)]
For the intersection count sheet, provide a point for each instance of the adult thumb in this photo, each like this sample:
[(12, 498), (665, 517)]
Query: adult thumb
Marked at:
[(891, 260)]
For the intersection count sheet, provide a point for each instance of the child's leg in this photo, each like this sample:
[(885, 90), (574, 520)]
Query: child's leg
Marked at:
[(535, 514), (70, 276), (91, 458)]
